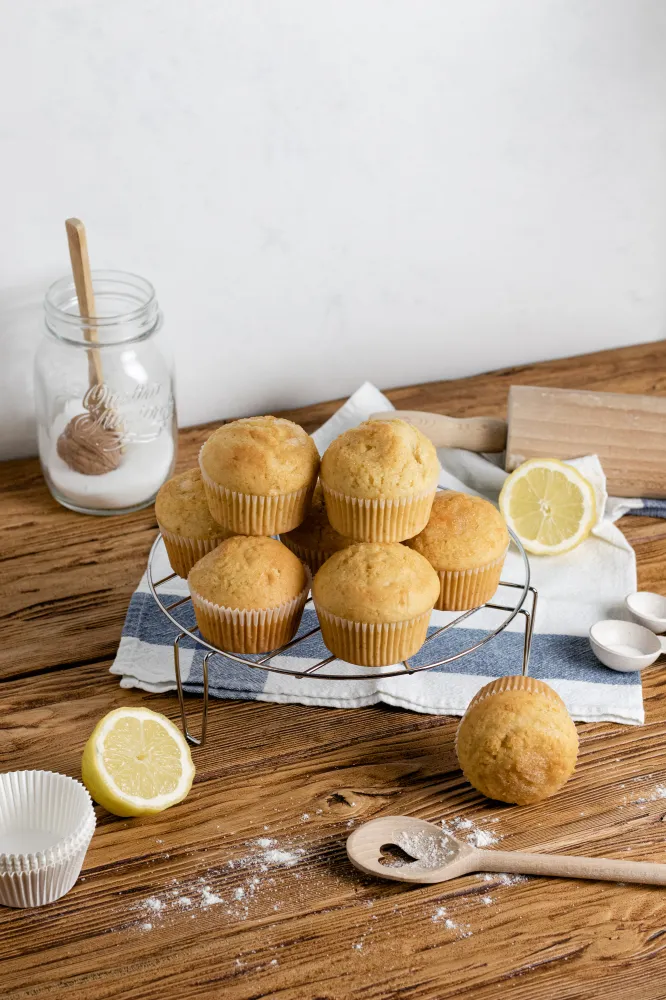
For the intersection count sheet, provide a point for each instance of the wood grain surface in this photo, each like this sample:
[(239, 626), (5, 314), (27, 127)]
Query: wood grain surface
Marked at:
[(627, 432), (317, 929)]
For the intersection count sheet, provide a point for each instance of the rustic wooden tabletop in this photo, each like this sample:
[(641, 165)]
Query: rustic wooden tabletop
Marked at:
[(144, 921)]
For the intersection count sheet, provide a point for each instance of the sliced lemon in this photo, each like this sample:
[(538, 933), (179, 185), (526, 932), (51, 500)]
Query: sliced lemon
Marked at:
[(136, 762), (549, 505)]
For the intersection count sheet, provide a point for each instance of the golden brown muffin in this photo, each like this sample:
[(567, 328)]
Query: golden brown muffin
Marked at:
[(517, 742), (248, 594), (315, 540), (374, 602), (379, 480), (259, 474), (185, 521), (466, 541)]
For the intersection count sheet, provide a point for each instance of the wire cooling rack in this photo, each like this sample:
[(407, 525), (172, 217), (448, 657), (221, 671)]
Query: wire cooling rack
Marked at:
[(317, 671)]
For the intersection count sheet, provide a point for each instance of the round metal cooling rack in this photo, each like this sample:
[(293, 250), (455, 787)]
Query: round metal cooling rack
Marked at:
[(512, 609)]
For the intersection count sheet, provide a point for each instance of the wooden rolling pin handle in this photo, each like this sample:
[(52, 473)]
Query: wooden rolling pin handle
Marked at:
[(472, 433), (523, 863)]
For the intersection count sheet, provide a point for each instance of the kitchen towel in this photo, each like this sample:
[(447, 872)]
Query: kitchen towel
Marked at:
[(575, 590)]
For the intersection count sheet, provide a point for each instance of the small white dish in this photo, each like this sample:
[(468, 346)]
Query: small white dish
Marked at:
[(624, 645), (46, 823), (649, 609)]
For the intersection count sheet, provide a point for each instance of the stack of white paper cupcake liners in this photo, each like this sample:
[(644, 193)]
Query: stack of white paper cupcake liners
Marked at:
[(49, 808)]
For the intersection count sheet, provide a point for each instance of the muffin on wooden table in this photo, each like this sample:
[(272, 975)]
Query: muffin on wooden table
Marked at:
[(374, 602), (315, 540), (379, 480), (466, 541), (516, 741), (183, 517), (248, 594), (259, 474)]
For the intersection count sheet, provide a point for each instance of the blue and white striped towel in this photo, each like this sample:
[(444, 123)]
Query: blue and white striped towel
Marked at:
[(575, 590)]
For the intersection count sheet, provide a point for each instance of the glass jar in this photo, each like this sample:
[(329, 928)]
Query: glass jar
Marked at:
[(104, 397)]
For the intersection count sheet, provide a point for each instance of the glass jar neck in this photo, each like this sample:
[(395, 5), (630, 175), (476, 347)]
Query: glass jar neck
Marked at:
[(125, 305)]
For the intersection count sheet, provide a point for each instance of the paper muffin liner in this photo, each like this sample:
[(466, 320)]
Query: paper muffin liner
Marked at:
[(49, 807), (372, 644), (184, 552), (462, 589), (314, 559), (384, 520), (256, 631), (250, 514), (516, 682)]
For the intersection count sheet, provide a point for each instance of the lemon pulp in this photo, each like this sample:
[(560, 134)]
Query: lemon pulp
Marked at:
[(137, 762), (549, 505)]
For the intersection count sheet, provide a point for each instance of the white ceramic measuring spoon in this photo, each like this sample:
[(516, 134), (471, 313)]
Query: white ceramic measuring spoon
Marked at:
[(624, 645), (649, 609), (443, 857)]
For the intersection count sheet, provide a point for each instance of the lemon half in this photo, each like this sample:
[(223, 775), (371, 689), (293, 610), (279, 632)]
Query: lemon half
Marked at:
[(549, 505), (136, 762)]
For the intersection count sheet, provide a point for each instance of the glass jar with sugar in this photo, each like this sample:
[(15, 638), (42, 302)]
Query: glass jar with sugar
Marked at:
[(104, 397)]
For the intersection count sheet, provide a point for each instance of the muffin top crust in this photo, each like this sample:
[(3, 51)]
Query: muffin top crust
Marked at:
[(264, 456), (376, 582), (249, 573), (464, 532), (381, 458), (181, 508)]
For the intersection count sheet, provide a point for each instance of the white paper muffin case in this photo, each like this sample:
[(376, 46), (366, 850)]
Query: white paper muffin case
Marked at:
[(53, 816)]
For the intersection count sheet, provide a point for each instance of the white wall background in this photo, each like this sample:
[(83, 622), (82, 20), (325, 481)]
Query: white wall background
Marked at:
[(324, 191)]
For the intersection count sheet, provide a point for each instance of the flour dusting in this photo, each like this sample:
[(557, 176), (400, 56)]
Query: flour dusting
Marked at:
[(658, 792), (430, 850), (440, 916), (504, 878), (471, 833), (265, 854)]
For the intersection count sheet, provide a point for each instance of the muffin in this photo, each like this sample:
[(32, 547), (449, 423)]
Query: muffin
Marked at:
[(248, 594), (259, 474), (374, 601), (466, 541), (183, 517), (379, 480), (314, 541), (516, 742)]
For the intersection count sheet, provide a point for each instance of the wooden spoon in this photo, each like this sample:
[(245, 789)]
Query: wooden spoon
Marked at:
[(442, 857), (78, 255), (89, 443)]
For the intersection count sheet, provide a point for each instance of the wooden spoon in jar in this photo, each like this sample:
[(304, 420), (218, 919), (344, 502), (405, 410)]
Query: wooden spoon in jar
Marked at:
[(440, 857), (88, 444)]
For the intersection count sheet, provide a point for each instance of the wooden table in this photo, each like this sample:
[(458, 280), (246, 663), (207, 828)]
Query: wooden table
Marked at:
[(316, 930)]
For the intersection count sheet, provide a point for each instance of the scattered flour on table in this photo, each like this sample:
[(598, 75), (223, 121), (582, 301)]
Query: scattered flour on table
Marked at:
[(209, 898), (503, 878), (264, 855), (470, 832), (658, 792), (440, 916)]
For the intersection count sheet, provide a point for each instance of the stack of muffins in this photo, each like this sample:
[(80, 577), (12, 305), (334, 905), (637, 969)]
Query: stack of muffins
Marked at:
[(344, 522)]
